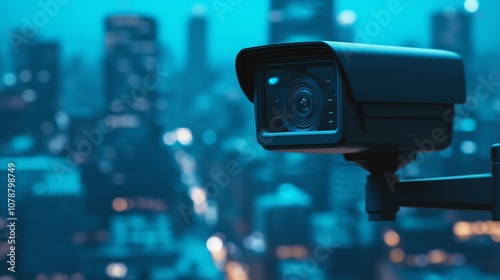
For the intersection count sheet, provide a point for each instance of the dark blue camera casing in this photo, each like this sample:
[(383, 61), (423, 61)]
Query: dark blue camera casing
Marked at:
[(389, 98)]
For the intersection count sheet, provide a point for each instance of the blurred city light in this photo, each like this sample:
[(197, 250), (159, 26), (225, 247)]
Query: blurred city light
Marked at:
[(198, 195), (397, 255), (120, 204), (437, 256), (465, 230), (9, 79), (479, 228), (209, 137), (25, 76), (211, 213), (214, 244), (285, 252), (188, 178), (468, 125), (235, 271), (255, 242), (116, 270), (471, 6), (462, 229), (468, 147), (62, 120), (217, 250), (22, 143), (201, 207), (199, 10), (170, 138), (346, 17), (184, 136), (391, 238)]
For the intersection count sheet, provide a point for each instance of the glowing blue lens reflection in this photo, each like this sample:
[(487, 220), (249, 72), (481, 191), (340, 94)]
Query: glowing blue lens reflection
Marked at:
[(273, 80)]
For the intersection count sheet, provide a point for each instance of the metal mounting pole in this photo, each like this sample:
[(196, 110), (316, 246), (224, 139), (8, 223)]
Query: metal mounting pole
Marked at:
[(385, 193), (495, 172)]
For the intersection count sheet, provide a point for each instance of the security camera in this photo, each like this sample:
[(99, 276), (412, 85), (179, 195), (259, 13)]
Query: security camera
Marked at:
[(344, 98), (377, 105)]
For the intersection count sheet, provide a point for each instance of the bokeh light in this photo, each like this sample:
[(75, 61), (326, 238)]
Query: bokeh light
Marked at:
[(116, 270), (214, 244), (391, 238), (468, 147), (184, 136), (346, 17), (471, 6)]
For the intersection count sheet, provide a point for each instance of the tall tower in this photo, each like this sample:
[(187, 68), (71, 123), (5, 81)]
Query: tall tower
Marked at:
[(131, 55), (137, 166), (33, 92), (451, 30), (51, 211), (131, 79), (197, 67), (37, 67), (296, 20)]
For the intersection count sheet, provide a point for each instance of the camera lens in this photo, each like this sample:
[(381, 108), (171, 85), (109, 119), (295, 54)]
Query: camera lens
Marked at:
[(302, 105)]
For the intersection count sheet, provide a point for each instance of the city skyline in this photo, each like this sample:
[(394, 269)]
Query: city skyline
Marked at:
[(226, 22), (139, 139)]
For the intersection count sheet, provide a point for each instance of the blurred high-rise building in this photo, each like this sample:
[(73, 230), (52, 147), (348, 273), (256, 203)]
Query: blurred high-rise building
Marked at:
[(296, 20), (283, 218), (308, 172), (131, 50), (451, 30), (32, 95), (197, 65), (132, 156), (346, 192), (49, 211), (81, 90), (17, 120), (38, 69), (292, 21), (132, 75)]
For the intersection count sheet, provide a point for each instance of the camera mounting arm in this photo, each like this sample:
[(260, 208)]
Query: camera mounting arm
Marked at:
[(385, 193)]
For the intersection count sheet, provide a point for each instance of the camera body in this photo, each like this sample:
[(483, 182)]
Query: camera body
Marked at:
[(345, 98)]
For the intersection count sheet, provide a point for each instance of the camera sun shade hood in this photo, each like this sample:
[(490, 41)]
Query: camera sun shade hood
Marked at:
[(373, 73)]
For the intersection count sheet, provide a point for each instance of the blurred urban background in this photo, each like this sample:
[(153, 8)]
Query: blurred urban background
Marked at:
[(136, 155)]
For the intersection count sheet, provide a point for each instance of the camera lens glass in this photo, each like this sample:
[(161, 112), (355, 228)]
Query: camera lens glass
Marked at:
[(303, 105), (300, 99)]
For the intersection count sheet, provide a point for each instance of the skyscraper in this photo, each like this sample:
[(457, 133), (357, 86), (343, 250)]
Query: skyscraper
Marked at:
[(131, 79), (33, 93), (451, 30), (17, 119), (197, 68), (308, 172), (131, 56), (296, 20), (49, 211), (140, 170)]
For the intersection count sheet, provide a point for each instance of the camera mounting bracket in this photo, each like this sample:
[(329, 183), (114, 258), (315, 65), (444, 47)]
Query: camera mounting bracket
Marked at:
[(385, 192)]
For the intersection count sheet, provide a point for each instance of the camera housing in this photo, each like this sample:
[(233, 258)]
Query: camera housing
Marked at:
[(346, 98)]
